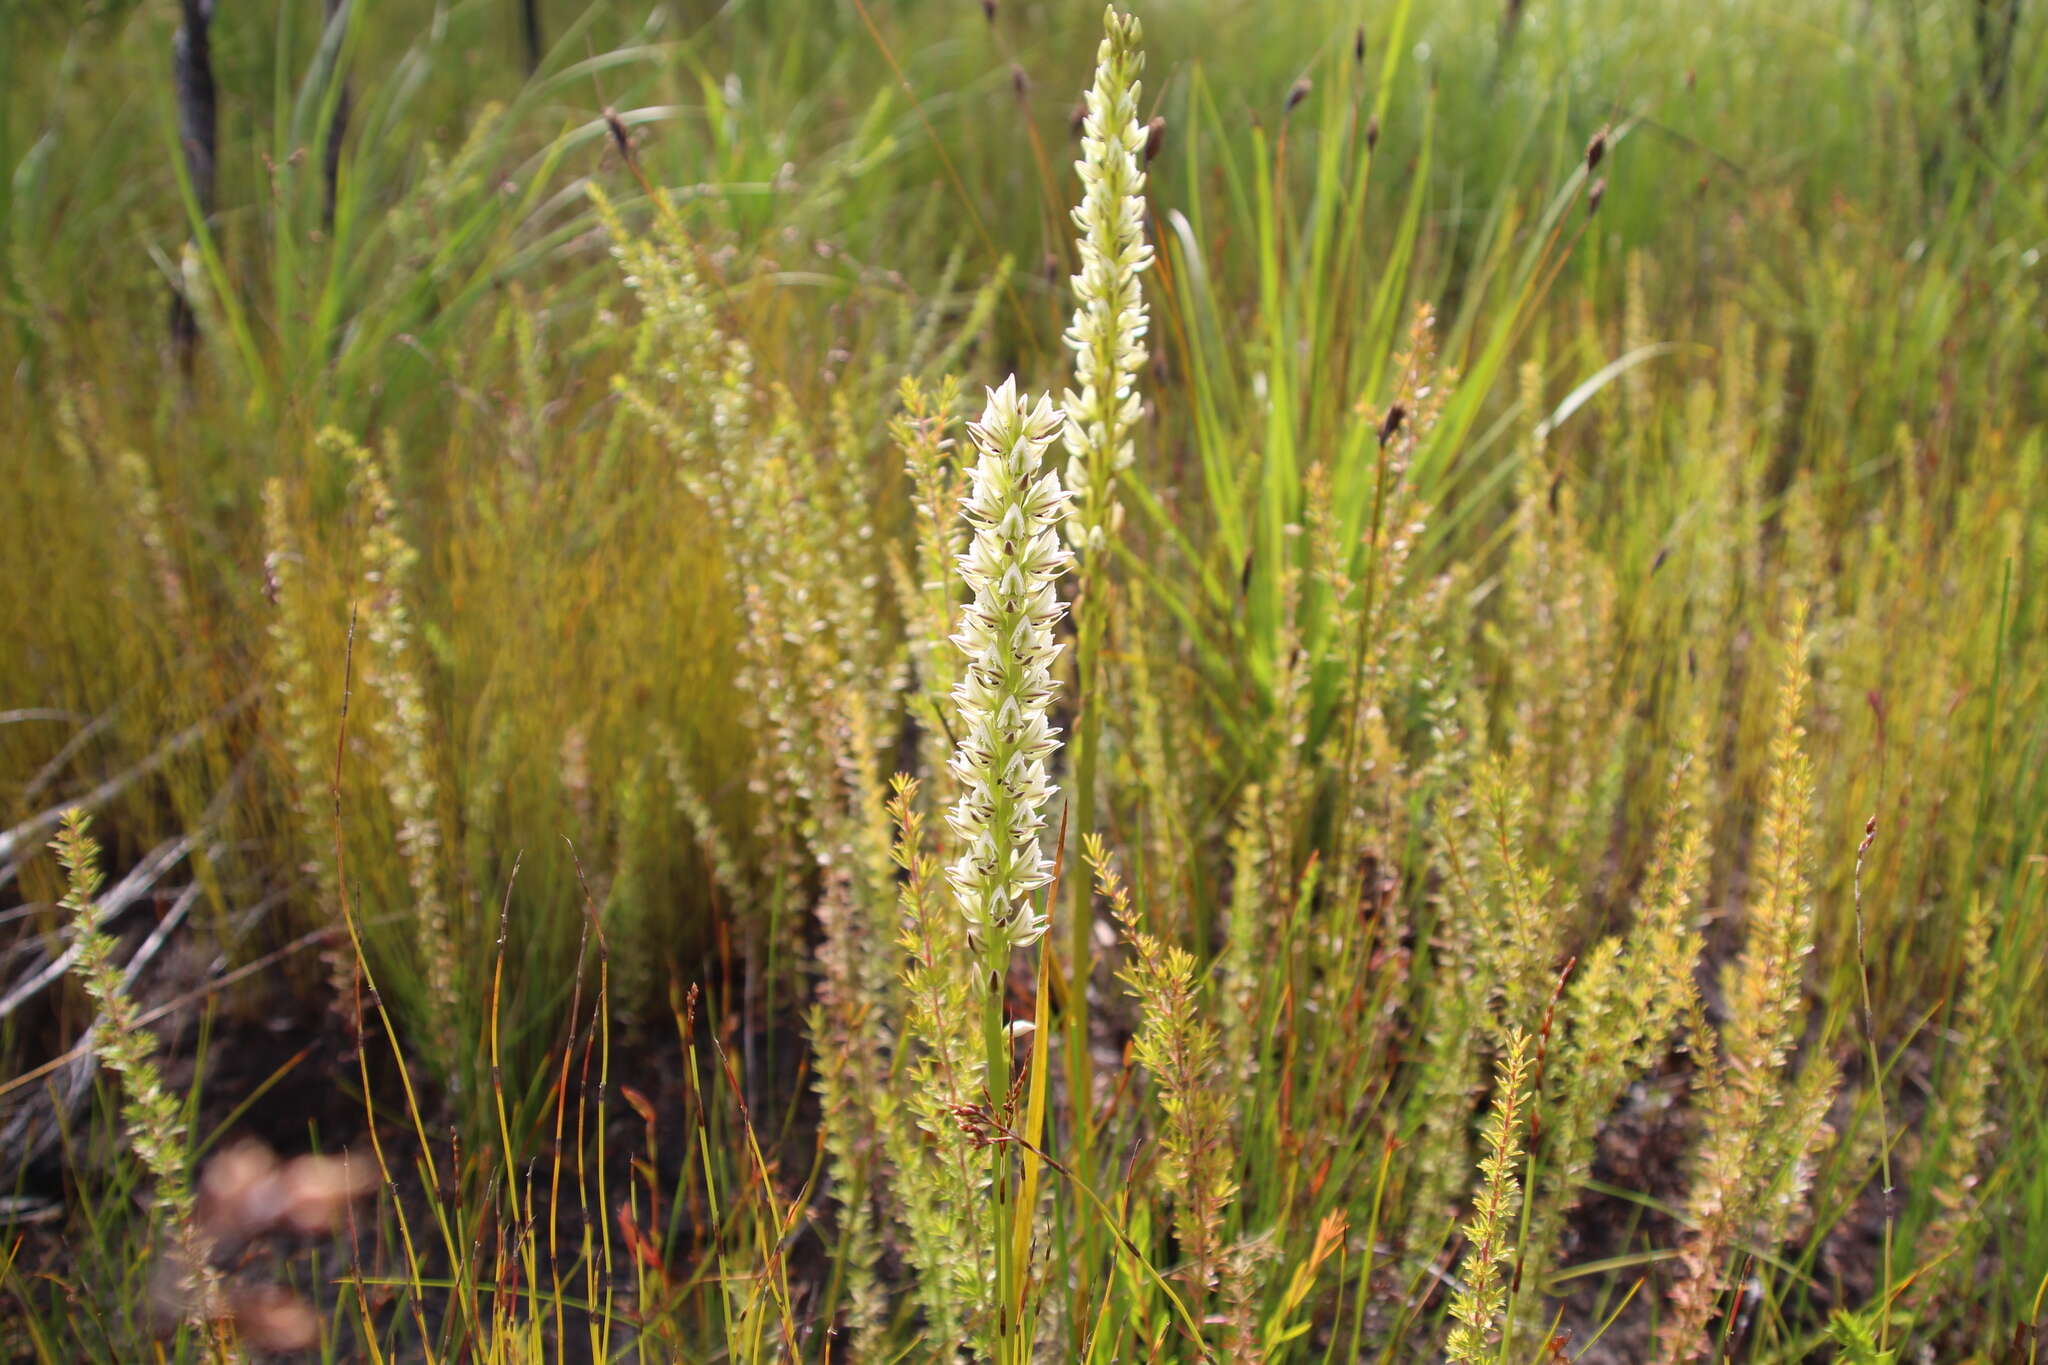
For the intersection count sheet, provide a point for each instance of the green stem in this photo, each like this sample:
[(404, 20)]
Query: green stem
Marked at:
[(997, 1047), (1090, 608), (1353, 701)]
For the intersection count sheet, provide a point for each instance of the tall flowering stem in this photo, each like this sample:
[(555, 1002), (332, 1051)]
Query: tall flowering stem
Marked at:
[(1107, 336), (1014, 506)]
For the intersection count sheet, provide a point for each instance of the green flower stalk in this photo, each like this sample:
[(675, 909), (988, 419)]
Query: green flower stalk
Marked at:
[(1490, 1251), (154, 1116), (1015, 507)]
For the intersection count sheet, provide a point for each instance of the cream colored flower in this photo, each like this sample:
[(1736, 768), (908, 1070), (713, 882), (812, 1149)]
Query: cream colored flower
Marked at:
[(1014, 505)]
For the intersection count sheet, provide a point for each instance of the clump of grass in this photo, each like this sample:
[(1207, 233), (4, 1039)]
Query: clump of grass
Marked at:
[(1961, 1130), (943, 1069), (1623, 1009), (1177, 1042), (1763, 1122)]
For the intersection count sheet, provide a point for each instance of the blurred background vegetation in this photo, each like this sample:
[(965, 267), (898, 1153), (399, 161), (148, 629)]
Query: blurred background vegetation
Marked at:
[(1798, 349)]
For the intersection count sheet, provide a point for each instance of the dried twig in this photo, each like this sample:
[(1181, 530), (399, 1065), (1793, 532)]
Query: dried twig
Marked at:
[(190, 998), (20, 1144), (24, 714), (132, 889), (54, 769), (30, 832)]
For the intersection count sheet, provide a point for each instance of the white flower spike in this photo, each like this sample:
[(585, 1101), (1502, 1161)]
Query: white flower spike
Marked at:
[(1107, 334), (1014, 506)]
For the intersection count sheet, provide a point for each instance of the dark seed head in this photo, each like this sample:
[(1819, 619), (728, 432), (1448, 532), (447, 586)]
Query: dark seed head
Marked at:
[(1596, 149), (1392, 422), (617, 127), (1019, 82), (1155, 137), (988, 10), (1594, 195), (1298, 92), (1372, 133), (1358, 45)]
